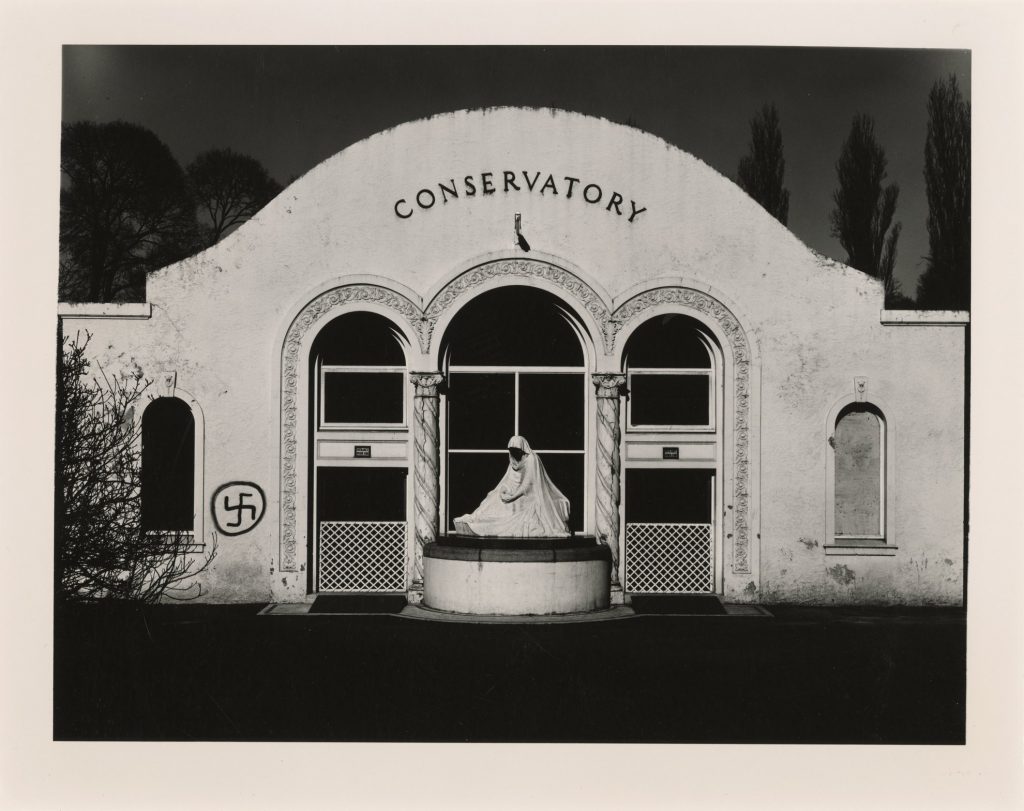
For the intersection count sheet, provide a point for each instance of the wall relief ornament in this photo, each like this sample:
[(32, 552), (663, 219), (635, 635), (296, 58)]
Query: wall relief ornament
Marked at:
[(522, 268)]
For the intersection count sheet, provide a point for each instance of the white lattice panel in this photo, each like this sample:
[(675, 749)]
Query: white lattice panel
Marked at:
[(669, 558), (362, 556)]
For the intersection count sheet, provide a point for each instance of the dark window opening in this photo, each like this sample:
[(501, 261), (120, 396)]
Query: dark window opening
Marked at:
[(669, 362), (512, 326), (359, 339), (667, 342), (168, 466), (551, 410), (566, 471), (669, 399), (361, 493), (481, 410), (668, 496), (359, 394), (364, 397)]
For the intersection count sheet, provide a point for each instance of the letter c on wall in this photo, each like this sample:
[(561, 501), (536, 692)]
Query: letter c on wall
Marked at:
[(399, 213)]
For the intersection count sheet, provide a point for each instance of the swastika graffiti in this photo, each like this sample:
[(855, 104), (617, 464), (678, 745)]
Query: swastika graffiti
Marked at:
[(237, 507)]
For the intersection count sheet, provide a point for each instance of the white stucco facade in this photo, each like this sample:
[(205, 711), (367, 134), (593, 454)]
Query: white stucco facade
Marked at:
[(797, 338)]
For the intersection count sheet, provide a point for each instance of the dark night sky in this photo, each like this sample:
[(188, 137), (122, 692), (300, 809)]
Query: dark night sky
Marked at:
[(292, 107)]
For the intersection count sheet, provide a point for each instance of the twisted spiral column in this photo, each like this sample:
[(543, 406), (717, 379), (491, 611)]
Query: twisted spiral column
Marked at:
[(608, 388), (426, 468)]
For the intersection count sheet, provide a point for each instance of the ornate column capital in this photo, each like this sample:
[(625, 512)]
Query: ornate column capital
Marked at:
[(426, 383), (608, 385)]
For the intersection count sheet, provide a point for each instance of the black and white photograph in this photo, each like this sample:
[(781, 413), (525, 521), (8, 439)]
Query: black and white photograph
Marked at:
[(478, 395)]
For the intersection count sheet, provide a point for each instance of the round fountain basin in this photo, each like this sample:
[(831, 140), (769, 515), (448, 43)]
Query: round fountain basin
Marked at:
[(516, 576)]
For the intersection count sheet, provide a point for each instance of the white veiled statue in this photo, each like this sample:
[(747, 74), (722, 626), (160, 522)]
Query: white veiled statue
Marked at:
[(525, 504)]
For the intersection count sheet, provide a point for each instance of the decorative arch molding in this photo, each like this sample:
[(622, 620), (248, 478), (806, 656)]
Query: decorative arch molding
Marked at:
[(682, 299), (316, 313), (568, 283)]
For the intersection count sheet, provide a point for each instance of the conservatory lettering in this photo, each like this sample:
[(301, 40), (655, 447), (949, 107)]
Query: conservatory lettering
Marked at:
[(507, 181)]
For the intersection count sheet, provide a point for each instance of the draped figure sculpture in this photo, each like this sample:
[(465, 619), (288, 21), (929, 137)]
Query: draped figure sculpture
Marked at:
[(525, 504)]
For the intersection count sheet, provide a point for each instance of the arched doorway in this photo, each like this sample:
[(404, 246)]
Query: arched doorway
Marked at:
[(515, 360), (673, 435), (359, 408)]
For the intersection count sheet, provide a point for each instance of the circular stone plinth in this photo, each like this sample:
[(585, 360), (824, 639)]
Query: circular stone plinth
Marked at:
[(516, 576)]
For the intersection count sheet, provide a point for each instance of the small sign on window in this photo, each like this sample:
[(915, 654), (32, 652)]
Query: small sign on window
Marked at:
[(362, 451), (670, 453)]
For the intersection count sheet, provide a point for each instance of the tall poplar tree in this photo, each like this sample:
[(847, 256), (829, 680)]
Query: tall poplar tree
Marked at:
[(946, 282), (862, 219), (760, 173)]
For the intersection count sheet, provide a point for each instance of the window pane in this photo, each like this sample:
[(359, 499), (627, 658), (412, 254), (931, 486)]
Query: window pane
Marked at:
[(566, 471), (168, 465), (666, 399), (667, 342), (668, 496), (359, 339), (513, 326), (361, 493), (481, 410), (551, 411), (471, 476), (364, 397), (858, 474)]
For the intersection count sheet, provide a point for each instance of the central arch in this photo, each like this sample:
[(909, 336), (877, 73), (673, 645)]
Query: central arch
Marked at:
[(516, 359)]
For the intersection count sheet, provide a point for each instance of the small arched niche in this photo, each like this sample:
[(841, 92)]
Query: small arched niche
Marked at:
[(859, 451), (167, 475)]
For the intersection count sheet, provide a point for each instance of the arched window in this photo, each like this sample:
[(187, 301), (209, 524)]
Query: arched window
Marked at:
[(672, 457), (671, 378), (515, 364), (168, 466), (360, 367), (859, 444), (358, 493)]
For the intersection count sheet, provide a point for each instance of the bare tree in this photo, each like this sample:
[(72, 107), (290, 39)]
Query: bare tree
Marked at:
[(102, 550), (946, 282), (229, 188), (862, 219), (124, 210), (761, 172)]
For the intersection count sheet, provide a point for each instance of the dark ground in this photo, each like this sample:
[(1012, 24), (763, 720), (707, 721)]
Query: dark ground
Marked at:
[(805, 675)]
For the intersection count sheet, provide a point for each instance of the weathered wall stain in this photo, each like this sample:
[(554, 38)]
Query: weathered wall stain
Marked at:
[(841, 573)]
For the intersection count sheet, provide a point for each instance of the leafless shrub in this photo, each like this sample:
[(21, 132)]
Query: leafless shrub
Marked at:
[(102, 550)]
